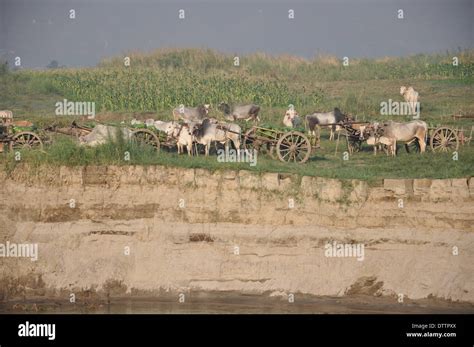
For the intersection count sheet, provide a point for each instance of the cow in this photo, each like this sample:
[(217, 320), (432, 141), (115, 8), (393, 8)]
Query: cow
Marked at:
[(410, 96), (329, 119), (373, 134), (404, 132), (209, 131), (291, 118), (246, 112), (183, 135), (377, 142), (191, 114), (169, 128), (101, 133)]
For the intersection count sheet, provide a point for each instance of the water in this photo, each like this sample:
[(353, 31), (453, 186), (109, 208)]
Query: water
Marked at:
[(230, 302)]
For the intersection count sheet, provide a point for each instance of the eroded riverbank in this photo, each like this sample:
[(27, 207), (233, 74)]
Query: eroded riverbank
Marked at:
[(136, 233)]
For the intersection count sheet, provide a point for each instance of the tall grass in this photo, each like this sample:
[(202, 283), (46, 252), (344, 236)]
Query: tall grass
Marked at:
[(322, 67), (66, 151)]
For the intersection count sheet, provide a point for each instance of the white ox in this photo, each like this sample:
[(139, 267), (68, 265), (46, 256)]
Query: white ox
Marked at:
[(211, 131), (240, 112), (410, 96), (328, 119), (191, 114), (376, 139), (183, 135), (391, 132)]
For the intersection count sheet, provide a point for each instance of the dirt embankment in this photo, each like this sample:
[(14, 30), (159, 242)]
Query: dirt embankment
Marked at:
[(148, 231)]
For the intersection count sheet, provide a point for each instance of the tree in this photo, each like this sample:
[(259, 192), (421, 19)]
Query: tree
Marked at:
[(3, 67), (53, 64)]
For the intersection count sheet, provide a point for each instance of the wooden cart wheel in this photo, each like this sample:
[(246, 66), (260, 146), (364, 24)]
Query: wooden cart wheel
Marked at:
[(444, 139), (26, 140), (293, 146), (145, 137), (251, 142)]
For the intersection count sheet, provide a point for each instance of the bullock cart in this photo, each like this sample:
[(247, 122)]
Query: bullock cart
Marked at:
[(16, 135), (289, 146), (141, 136), (442, 139)]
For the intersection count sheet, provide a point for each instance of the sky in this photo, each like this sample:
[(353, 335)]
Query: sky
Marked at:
[(39, 31)]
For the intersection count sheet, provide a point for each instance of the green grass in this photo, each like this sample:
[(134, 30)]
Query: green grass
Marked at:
[(325, 163), (157, 82)]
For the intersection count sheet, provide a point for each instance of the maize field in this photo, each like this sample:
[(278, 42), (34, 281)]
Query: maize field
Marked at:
[(152, 90), (167, 79)]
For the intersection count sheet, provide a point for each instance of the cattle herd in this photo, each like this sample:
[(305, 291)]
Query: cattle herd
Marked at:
[(193, 125)]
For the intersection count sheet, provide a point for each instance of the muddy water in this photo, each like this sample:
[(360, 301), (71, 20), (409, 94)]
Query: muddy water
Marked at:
[(227, 303)]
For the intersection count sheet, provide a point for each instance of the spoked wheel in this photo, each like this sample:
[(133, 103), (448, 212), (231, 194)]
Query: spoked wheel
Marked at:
[(26, 140), (293, 147), (413, 146), (444, 140), (145, 137), (251, 142)]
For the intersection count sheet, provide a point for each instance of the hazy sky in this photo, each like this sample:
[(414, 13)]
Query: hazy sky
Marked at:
[(40, 30)]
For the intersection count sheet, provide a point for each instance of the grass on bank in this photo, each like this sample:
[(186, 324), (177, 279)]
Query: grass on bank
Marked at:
[(323, 163)]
